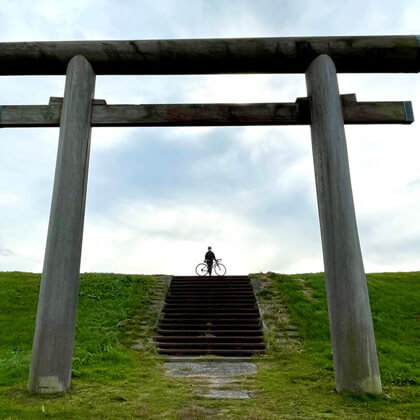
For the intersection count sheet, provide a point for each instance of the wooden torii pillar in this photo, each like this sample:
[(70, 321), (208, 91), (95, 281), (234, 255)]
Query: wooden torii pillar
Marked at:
[(52, 350), (351, 327), (353, 342)]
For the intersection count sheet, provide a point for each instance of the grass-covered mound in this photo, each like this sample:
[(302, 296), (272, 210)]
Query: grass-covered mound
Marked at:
[(104, 301), (395, 304), (108, 377), (112, 380)]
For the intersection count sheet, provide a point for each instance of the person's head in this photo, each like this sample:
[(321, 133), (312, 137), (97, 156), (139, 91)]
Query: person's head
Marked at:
[(209, 248)]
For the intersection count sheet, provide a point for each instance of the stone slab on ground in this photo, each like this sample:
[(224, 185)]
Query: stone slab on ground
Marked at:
[(210, 368), (227, 393), (214, 379), (202, 359)]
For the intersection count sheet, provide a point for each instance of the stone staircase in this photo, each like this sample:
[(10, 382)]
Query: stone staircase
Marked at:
[(210, 316)]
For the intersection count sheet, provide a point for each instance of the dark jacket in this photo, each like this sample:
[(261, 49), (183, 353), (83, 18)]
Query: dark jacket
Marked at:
[(210, 257)]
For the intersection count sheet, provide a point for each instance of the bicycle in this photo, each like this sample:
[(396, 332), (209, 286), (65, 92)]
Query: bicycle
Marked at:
[(218, 268)]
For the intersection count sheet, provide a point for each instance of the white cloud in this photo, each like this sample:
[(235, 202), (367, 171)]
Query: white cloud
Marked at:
[(127, 241)]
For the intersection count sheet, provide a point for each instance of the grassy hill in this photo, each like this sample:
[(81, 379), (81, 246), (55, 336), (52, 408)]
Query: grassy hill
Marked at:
[(111, 380)]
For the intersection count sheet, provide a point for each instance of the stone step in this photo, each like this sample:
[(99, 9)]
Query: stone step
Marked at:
[(207, 302), (220, 309), (217, 317), (204, 316), (208, 339), (216, 332), (220, 285), (212, 352), (209, 298), (211, 295), (200, 325), (210, 328), (211, 346), (226, 278), (212, 288)]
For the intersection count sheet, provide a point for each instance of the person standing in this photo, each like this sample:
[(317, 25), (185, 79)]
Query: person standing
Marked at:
[(209, 258)]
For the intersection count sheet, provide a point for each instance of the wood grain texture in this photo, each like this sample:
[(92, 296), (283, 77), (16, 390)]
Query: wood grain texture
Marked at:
[(177, 115), (353, 340), (52, 349), (351, 54)]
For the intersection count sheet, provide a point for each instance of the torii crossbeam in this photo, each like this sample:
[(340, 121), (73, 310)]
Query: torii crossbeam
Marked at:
[(191, 115)]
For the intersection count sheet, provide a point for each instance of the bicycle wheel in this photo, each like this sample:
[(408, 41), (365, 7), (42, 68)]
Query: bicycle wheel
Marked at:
[(201, 269), (220, 269)]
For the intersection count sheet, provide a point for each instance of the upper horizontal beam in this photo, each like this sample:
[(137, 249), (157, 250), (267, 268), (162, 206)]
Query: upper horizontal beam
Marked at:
[(352, 54), (178, 115)]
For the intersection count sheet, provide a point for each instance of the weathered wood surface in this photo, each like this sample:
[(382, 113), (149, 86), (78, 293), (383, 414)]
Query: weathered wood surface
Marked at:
[(206, 114), (353, 340), (52, 349), (351, 54)]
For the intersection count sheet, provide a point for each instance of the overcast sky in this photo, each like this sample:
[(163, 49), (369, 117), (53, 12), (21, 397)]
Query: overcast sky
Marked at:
[(157, 197)]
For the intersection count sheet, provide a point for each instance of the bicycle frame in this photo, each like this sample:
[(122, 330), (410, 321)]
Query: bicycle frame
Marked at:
[(216, 267)]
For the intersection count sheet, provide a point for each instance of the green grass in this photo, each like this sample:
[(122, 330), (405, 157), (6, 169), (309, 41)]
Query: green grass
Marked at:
[(395, 304), (105, 300), (111, 380), (108, 378)]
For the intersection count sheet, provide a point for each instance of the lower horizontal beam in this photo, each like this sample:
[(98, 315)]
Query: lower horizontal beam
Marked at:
[(176, 115)]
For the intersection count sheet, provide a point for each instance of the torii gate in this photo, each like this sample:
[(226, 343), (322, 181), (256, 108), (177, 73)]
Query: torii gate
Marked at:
[(353, 343)]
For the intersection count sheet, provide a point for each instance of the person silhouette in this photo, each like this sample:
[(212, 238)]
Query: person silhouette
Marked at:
[(208, 259)]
